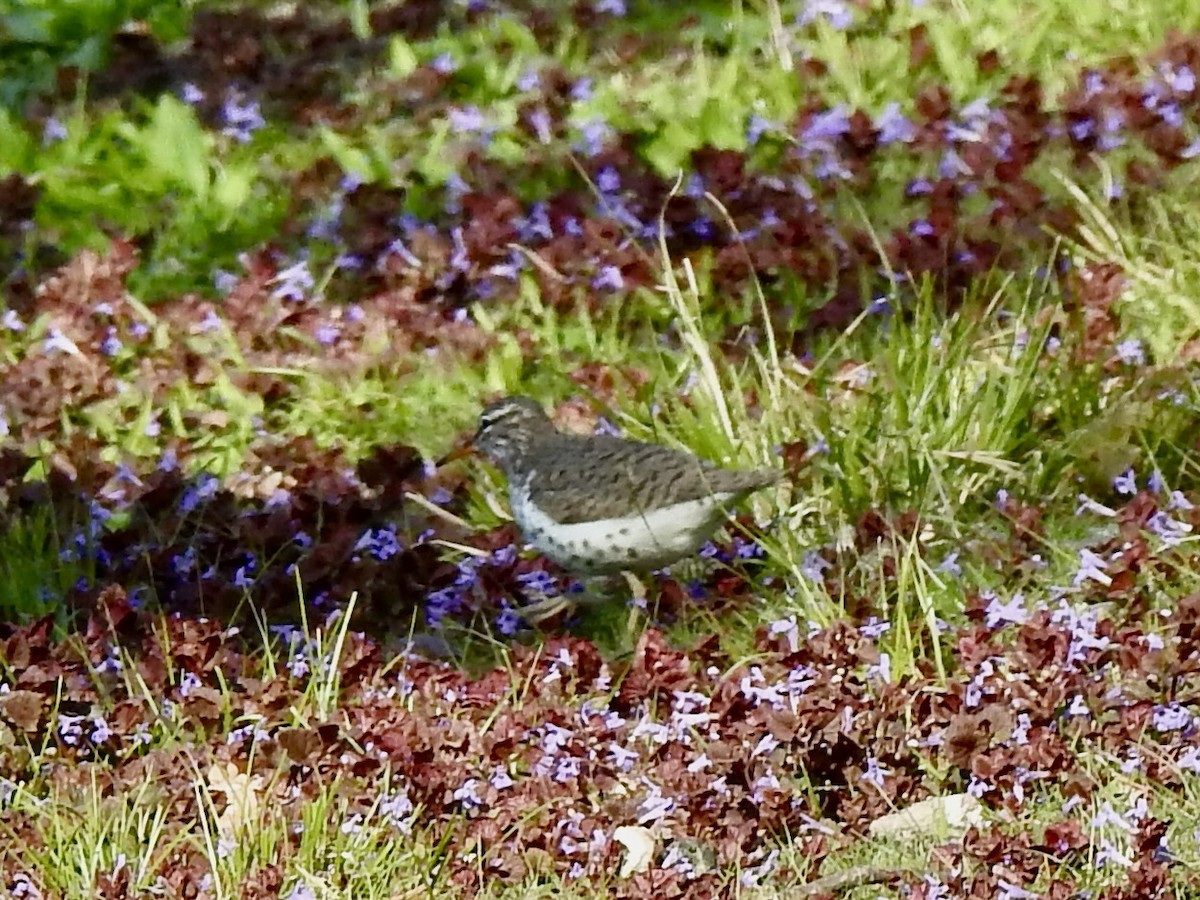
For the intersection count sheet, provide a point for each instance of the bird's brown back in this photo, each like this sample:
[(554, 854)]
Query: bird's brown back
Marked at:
[(585, 478)]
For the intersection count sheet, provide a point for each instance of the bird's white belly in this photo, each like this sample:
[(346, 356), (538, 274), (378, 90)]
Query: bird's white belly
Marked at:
[(648, 540)]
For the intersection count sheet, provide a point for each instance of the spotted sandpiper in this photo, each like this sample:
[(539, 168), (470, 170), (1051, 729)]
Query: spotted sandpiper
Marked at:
[(598, 504)]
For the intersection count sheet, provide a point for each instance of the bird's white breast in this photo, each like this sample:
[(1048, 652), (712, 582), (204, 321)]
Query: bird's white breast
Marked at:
[(651, 539)]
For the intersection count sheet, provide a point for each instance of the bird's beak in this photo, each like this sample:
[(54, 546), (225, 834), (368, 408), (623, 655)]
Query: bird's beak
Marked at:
[(457, 453)]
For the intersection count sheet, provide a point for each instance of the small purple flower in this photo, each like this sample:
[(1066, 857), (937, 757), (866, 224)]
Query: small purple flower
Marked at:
[(1171, 531), (836, 12), (242, 117), (622, 757), (752, 875), (57, 342), (542, 125), (883, 669), (1107, 816), (1179, 501), (382, 543), (294, 282), (529, 80), (952, 165), (1081, 129), (184, 563), (444, 63), (1087, 504), (1155, 483), (468, 794), (918, 188), (763, 784), (327, 334), (1091, 568), (188, 683), (606, 427), (298, 662), (1171, 114), (744, 549), (70, 729), (654, 807), (397, 248), (1126, 483), (875, 772), (204, 489), (1180, 79), (1010, 891), (466, 119), (1020, 733), (1131, 352), (1000, 613), (609, 278), (101, 731), (608, 180), (581, 90), (757, 127), (813, 566), (788, 628), (191, 95), (950, 565), (567, 768), (1093, 84), (874, 627), (111, 345), (894, 127), (500, 779), (53, 131), (1171, 717), (1078, 707), (610, 7), (242, 577), (595, 135), (827, 126), (508, 621), (1190, 760), (702, 227), (977, 787), (766, 744)]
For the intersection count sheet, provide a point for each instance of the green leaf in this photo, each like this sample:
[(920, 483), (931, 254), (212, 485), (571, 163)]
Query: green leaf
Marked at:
[(176, 145), (720, 124), (670, 147), (30, 26), (16, 145), (402, 61), (231, 189), (350, 158), (360, 19)]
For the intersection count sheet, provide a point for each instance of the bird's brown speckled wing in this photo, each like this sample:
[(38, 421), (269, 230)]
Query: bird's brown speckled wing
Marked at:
[(580, 480)]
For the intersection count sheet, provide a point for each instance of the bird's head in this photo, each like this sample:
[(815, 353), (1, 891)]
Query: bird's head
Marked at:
[(506, 427)]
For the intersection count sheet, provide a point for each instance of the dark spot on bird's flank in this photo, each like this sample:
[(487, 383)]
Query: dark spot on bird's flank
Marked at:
[(624, 532), (630, 553)]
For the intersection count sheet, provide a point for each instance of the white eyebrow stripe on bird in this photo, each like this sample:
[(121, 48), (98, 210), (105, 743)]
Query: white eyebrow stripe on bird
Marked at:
[(496, 415)]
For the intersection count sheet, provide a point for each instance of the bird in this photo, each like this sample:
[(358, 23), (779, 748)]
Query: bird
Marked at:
[(599, 504)]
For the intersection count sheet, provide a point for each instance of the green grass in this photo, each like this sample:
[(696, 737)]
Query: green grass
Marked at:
[(911, 409)]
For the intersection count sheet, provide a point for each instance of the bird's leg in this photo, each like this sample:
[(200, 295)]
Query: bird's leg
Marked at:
[(547, 608), (591, 592)]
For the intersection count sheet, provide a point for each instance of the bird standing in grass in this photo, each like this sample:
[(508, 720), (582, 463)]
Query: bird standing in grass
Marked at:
[(598, 504)]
